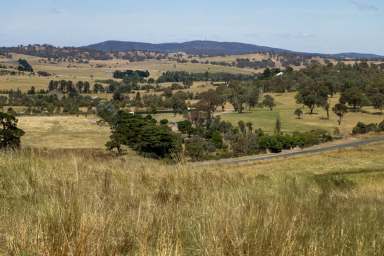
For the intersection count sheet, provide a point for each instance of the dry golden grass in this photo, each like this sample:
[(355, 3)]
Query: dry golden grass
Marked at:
[(89, 203), (98, 70), (63, 132)]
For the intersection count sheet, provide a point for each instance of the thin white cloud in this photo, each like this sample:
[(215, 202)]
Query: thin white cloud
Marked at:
[(364, 5)]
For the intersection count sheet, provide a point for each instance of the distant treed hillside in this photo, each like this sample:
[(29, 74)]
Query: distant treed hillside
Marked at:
[(136, 51), (79, 53), (194, 47), (213, 48)]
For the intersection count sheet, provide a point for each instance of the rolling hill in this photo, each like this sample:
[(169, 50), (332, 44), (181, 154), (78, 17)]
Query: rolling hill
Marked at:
[(213, 48), (192, 47)]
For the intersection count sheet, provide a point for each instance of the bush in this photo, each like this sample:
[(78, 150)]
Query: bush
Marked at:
[(217, 139), (24, 66), (164, 121), (196, 148), (362, 128), (272, 143), (185, 127), (315, 137), (276, 143), (143, 135), (381, 126), (9, 133)]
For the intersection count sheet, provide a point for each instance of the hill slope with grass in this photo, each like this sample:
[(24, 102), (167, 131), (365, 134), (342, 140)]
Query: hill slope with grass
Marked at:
[(89, 202), (213, 48)]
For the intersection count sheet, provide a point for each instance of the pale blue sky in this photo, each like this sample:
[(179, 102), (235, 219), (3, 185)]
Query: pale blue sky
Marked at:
[(303, 25)]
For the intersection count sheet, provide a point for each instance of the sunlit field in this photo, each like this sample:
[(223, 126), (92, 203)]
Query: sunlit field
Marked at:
[(63, 132), (285, 107), (98, 70), (90, 203)]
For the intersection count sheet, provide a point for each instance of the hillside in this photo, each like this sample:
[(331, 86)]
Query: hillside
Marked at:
[(90, 203), (193, 47), (213, 48)]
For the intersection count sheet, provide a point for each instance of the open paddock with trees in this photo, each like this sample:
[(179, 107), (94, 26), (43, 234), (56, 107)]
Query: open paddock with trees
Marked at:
[(285, 108), (94, 70)]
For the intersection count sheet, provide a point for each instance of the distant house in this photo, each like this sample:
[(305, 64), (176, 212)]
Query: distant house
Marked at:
[(280, 74)]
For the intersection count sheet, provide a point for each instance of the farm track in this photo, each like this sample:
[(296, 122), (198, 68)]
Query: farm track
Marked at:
[(289, 154)]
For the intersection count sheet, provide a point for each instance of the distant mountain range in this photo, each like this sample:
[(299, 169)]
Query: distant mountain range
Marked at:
[(213, 48)]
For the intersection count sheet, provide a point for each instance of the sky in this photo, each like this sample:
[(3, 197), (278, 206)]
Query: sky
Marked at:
[(326, 26)]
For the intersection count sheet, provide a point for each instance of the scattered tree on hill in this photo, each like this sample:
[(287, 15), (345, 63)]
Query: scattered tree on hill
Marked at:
[(312, 95), (185, 127), (242, 127), (178, 104), (10, 134), (354, 97), (196, 148), (208, 102), (278, 126), (340, 110), (299, 113), (327, 106), (377, 100), (24, 65), (269, 102)]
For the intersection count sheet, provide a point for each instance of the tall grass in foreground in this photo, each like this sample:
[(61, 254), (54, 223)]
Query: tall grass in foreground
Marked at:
[(60, 204)]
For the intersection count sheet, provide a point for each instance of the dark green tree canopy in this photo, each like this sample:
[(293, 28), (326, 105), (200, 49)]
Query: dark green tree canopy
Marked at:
[(24, 65), (143, 135), (10, 134)]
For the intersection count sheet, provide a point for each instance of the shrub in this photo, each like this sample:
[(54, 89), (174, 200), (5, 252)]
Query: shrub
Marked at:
[(196, 147), (217, 139), (381, 126), (9, 133), (272, 143), (164, 121), (362, 128), (185, 127), (24, 66), (143, 135)]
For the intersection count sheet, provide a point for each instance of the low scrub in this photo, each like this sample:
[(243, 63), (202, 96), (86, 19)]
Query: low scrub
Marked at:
[(362, 128)]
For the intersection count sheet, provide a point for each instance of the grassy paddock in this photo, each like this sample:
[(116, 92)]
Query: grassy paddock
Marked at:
[(63, 132), (90, 72), (89, 203), (286, 105)]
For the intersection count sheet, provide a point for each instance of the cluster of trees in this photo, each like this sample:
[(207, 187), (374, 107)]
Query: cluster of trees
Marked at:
[(358, 85), (206, 139), (69, 87), (24, 66), (55, 53), (143, 135), (286, 60), (78, 55), (241, 95), (203, 137), (131, 74), (42, 103), (188, 78), (247, 63), (101, 86), (333, 76), (362, 128)]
